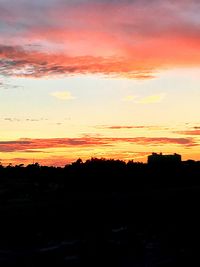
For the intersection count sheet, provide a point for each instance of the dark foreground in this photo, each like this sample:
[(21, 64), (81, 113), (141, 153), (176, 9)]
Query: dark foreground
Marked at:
[(152, 223)]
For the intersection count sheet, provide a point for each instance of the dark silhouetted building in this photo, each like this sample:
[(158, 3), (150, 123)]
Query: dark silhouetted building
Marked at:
[(164, 159)]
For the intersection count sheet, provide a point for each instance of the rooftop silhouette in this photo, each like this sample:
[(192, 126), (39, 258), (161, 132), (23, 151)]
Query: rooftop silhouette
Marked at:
[(164, 159)]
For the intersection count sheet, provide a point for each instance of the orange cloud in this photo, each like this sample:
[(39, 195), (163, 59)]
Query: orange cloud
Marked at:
[(189, 132), (30, 145), (130, 127)]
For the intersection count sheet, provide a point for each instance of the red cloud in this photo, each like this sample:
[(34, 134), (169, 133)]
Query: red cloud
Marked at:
[(119, 127), (122, 127), (126, 38), (17, 62), (27, 145)]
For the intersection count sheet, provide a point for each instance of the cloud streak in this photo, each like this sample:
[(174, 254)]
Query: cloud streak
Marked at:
[(13, 119), (129, 127), (25, 145), (62, 95), (189, 132), (151, 99)]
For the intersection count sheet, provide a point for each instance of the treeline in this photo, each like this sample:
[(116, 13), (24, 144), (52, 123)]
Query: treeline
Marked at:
[(100, 174), (99, 201)]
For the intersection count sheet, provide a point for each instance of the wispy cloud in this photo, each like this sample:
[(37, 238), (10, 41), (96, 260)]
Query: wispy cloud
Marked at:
[(189, 132), (129, 98), (62, 95), (13, 119), (151, 99), (5, 84), (118, 127), (122, 127)]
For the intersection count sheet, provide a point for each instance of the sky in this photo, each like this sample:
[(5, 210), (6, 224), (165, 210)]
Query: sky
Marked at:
[(98, 78)]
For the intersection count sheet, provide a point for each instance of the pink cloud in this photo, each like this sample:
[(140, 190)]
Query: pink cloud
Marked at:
[(123, 38)]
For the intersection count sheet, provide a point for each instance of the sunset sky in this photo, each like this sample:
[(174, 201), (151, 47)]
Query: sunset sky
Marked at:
[(98, 78)]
